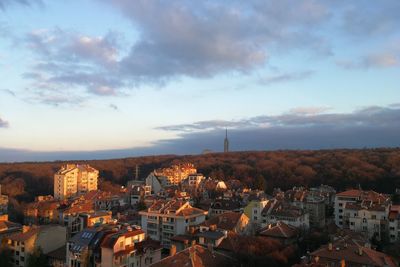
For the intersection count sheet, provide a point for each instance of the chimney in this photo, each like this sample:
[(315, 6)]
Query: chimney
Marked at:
[(330, 247), (172, 250)]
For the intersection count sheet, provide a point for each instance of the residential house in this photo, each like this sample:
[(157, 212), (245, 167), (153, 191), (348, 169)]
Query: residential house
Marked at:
[(45, 237), (165, 219), (228, 221)]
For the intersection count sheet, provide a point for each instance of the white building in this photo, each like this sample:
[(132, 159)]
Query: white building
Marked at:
[(74, 179), (362, 211), (164, 219), (394, 223), (280, 211)]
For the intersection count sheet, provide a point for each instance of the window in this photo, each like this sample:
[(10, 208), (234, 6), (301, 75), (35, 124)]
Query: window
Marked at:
[(340, 210), (121, 244), (340, 204), (351, 223), (373, 217)]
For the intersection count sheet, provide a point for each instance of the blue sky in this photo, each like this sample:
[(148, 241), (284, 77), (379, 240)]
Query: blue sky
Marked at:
[(99, 78)]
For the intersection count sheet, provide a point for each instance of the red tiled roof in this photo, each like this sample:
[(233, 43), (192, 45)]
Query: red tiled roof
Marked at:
[(226, 221), (350, 253), (196, 256), (280, 230)]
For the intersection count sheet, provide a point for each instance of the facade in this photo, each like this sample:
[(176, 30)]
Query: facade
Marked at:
[(24, 243), (363, 211), (73, 180), (394, 223), (278, 210), (137, 193), (220, 206), (174, 174), (165, 219)]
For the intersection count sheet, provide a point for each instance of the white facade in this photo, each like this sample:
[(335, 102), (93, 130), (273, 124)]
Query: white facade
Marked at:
[(164, 223), (74, 179)]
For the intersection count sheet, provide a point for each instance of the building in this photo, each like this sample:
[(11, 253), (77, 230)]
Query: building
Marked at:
[(46, 237), (128, 247), (345, 253), (165, 219), (229, 221), (282, 232), (3, 203), (57, 257), (196, 256), (137, 193), (226, 142), (42, 211), (363, 211), (173, 175), (314, 205), (278, 210), (8, 228), (394, 223), (74, 179), (83, 249), (254, 209), (223, 205)]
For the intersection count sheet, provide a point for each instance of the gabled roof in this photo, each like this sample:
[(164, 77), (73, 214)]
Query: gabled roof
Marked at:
[(196, 256), (280, 230), (225, 221), (350, 253), (21, 237), (7, 226), (110, 240)]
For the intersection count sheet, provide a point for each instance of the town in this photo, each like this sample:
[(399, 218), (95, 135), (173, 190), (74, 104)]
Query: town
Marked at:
[(175, 216)]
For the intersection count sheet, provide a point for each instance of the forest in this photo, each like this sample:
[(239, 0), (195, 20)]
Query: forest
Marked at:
[(377, 169)]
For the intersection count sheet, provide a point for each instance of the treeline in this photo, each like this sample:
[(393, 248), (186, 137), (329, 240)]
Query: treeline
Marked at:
[(377, 169)]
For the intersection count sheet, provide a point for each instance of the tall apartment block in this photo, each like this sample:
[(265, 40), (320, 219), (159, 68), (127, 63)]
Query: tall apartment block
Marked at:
[(73, 180)]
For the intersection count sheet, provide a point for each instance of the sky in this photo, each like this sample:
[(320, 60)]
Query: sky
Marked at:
[(94, 79)]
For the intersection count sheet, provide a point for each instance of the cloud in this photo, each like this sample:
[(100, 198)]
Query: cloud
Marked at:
[(3, 123), (301, 117), (373, 19), (309, 110), (69, 64), (386, 59), (285, 77), (113, 106), (368, 127), (202, 39), (5, 3), (205, 38)]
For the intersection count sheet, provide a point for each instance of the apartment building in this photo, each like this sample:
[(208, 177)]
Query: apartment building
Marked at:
[(394, 223), (176, 173), (24, 243), (73, 180), (112, 246), (281, 211), (165, 219), (363, 211), (128, 247)]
